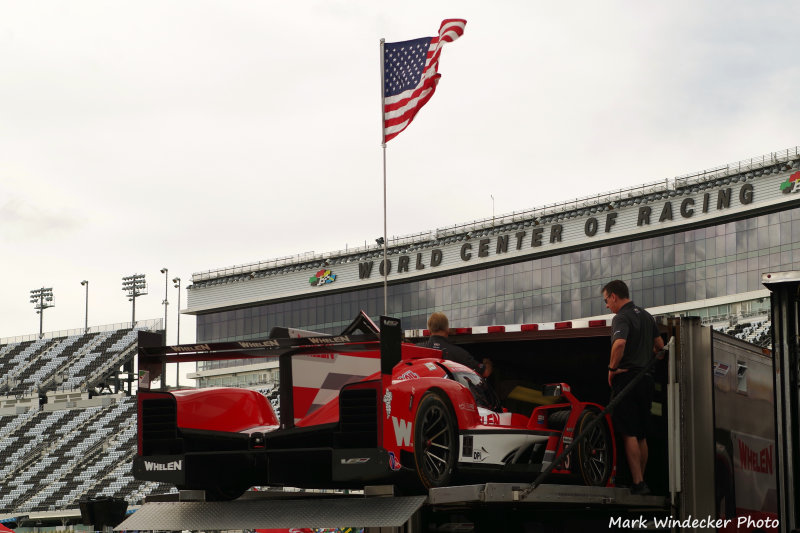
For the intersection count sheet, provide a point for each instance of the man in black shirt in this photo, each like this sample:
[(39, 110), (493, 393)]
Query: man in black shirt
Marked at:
[(439, 327), (634, 341)]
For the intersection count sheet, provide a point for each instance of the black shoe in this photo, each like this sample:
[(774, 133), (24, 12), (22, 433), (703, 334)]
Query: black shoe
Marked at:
[(640, 488)]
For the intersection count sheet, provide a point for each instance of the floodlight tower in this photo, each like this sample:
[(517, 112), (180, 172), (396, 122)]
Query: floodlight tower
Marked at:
[(165, 303), (41, 300), (134, 285), (177, 285), (85, 283)]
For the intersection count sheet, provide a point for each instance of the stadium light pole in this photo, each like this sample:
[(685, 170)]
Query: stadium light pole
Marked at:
[(134, 285), (177, 285), (41, 300), (165, 303), (86, 307)]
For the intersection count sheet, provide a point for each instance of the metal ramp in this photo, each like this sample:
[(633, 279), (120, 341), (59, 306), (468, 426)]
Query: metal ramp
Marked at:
[(264, 513)]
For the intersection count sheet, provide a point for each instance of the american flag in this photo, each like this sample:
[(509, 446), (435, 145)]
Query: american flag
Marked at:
[(411, 74)]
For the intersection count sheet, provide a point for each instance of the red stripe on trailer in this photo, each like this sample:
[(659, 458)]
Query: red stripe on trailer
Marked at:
[(529, 327), (597, 323), (426, 333), (563, 325), (463, 331), (497, 329)]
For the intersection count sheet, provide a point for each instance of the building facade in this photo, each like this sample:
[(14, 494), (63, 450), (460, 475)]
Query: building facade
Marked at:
[(695, 244)]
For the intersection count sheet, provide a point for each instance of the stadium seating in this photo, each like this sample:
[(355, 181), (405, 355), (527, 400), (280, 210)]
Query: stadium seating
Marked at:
[(757, 330), (53, 455)]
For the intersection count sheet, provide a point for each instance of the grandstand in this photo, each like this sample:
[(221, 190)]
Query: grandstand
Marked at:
[(68, 421), (755, 330)]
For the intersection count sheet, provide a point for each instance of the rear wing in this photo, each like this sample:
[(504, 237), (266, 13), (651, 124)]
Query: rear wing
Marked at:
[(312, 369)]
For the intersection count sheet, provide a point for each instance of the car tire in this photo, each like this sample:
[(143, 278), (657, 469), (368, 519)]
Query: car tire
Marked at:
[(595, 451), (435, 441)]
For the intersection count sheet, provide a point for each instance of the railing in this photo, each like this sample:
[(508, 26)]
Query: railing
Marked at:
[(154, 324), (744, 165)]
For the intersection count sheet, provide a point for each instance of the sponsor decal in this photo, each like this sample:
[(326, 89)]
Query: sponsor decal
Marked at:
[(387, 401), (408, 375), (430, 366), (394, 463), (467, 406), (402, 431), (721, 369), (172, 465), (480, 455), (192, 348), (355, 461), (758, 460), (144, 379), (790, 185), (260, 344), (328, 340), (323, 277), (490, 419)]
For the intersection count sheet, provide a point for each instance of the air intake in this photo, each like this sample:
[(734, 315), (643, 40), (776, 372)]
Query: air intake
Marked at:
[(358, 418)]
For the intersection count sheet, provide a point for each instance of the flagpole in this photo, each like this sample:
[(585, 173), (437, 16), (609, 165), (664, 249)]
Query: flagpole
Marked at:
[(383, 146)]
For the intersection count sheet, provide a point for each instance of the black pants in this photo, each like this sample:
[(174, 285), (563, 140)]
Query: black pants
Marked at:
[(633, 412)]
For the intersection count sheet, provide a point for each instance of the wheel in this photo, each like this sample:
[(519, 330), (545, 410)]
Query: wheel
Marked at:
[(594, 451), (435, 441)]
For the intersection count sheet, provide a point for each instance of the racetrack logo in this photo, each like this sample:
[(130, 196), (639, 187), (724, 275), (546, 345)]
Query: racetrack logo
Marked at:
[(173, 465), (322, 277), (790, 185)]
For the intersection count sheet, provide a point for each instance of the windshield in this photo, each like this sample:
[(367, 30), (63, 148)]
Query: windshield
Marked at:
[(484, 395)]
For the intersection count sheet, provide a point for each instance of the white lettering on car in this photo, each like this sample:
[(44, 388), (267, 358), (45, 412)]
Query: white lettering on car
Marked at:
[(402, 431), (174, 465)]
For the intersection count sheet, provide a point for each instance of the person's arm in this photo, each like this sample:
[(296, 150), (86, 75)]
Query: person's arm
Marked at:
[(617, 350), (658, 342), (658, 345)]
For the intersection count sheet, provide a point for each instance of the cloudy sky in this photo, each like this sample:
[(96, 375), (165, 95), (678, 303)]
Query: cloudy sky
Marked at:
[(195, 135)]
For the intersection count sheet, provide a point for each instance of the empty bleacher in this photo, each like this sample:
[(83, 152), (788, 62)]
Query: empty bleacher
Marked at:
[(54, 454), (755, 330)]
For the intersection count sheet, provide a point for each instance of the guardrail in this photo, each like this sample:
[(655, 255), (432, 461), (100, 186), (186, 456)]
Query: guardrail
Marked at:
[(667, 184)]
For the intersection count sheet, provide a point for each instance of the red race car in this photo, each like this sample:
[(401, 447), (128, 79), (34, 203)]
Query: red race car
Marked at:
[(357, 409)]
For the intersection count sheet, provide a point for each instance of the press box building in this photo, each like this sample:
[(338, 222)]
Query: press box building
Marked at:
[(692, 245)]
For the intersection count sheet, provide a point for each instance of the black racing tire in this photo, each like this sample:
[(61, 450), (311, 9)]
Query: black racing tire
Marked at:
[(558, 419), (594, 452), (435, 441)]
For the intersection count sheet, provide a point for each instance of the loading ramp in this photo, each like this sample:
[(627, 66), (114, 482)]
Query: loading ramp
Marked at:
[(259, 510)]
